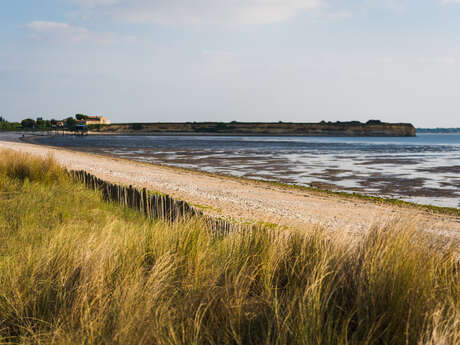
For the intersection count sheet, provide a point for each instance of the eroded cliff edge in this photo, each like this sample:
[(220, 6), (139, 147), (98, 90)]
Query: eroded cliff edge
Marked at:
[(372, 128)]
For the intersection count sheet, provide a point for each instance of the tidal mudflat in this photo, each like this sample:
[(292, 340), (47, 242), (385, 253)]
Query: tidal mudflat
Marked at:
[(243, 200), (424, 169)]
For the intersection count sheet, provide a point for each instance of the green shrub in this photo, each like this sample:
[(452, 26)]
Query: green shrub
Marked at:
[(28, 123), (137, 126)]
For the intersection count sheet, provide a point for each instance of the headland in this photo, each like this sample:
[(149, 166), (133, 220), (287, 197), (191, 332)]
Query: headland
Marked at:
[(372, 128)]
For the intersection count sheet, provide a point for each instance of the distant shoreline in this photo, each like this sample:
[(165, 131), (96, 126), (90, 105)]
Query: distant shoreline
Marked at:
[(438, 130), (229, 195), (135, 133), (373, 128), (194, 134)]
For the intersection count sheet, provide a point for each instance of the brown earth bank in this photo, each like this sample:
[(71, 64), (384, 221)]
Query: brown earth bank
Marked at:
[(246, 200), (348, 129)]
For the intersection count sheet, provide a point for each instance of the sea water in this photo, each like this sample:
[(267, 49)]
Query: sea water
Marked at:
[(423, 169)]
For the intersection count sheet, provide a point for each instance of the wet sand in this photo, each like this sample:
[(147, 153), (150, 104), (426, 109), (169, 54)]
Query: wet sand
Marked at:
[(422, 170), (245, 200)]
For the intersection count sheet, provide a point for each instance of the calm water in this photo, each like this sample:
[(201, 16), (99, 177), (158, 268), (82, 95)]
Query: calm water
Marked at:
[(424, 169)]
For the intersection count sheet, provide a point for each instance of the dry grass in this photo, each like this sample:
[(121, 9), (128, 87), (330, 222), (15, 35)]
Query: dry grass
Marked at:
[(23, 166), (75, 270)]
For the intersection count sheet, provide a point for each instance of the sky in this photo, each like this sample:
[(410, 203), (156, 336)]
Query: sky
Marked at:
[(232, 60)]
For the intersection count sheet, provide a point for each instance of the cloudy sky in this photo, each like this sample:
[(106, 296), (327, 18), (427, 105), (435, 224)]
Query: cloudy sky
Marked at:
[(224, 60)]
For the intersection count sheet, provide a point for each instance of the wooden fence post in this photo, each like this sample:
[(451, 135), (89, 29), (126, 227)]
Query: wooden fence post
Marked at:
[(155, 206), (146, 202)]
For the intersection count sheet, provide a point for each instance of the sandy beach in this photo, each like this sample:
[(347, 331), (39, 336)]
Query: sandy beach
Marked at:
[(243, 199)]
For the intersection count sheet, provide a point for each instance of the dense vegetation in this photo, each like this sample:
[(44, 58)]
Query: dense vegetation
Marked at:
[(323, 128), (76, 270), (8, 126), (39, 123), (27, 124)]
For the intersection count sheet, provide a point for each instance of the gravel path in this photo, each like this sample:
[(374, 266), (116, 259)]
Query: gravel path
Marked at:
[(241, 199)]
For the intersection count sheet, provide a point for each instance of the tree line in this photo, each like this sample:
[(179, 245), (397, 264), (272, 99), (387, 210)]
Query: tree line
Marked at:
[(40, 123)]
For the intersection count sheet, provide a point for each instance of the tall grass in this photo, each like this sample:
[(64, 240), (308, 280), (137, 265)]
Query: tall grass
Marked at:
[(22, 166), (76, 270)]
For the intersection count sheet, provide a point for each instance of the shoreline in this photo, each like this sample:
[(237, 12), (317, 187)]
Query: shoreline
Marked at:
[(338, 128), (218, 134), (268, 135), (452, 211), (327, 187), (246, 199)]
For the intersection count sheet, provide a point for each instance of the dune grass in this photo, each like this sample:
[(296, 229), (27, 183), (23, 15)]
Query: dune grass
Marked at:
[(77, 270)]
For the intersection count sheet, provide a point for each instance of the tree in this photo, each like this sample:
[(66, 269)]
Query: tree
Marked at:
[(28, 123), (9, 126), (70, 122), (40, 123), (2, 119), (81, 117)]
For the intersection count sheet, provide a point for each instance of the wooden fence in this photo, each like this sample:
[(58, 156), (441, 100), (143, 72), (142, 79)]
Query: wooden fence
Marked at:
[(153, 205)]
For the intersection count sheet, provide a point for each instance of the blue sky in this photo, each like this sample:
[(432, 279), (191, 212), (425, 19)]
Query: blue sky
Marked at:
[(224, 60)]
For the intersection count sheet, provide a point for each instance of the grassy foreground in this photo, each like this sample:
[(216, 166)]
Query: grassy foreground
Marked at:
[(76, 270)]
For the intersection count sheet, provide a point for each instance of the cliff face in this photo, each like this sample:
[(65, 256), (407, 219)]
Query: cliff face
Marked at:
[(348, 129)]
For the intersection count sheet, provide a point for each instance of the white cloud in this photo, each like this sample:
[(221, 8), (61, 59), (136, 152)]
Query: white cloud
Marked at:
[(179, 12), (66, 33)]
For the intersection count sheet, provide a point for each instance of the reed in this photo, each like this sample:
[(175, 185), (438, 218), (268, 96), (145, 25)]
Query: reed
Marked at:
[(75, 269)]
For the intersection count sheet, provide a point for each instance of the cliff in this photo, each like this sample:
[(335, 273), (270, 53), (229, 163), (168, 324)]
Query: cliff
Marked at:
[(339, 129)]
